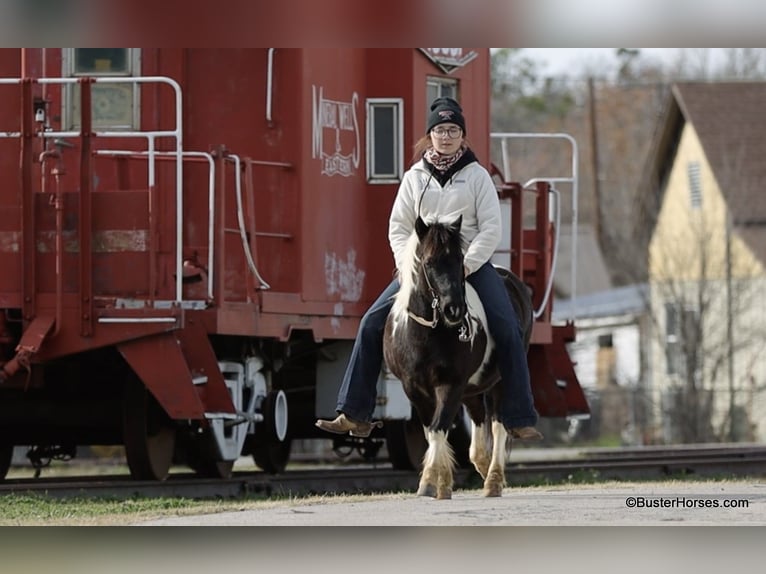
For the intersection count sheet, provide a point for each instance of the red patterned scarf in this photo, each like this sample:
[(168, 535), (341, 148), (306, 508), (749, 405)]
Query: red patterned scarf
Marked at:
[(440, 161)]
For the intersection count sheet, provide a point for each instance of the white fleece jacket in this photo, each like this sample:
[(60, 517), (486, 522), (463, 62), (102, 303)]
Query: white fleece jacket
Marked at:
[(469, 192)]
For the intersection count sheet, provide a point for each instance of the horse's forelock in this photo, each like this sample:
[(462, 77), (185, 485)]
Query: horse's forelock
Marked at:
[(440, 235)]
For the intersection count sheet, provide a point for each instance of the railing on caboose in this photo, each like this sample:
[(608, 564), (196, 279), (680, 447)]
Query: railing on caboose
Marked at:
[(546, 212), (86, 133), (31, 128)]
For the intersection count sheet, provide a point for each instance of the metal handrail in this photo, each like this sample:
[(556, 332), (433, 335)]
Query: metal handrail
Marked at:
[(150, 135), (241, 221), (572, 179), (211, 197)]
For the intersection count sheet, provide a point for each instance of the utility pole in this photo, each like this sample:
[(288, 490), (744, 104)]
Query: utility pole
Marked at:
[(730, 326), (595, 162)]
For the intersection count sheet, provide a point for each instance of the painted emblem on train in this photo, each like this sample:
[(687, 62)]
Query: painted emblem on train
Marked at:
[(339, 153)]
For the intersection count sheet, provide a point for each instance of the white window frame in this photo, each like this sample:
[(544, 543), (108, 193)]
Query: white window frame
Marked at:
[(67, 99), (398, 140)]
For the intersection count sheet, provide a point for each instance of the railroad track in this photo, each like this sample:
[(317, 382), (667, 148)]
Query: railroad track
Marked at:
[(619, 464)]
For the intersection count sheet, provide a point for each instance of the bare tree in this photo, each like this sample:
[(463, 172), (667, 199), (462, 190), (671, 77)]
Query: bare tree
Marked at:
[(705, 303), (733, 63)]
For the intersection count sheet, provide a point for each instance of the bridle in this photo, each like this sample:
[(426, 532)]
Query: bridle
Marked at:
[(434, 307), (464, 331)]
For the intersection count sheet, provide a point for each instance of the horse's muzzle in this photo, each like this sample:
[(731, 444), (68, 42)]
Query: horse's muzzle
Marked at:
[(454, 313)]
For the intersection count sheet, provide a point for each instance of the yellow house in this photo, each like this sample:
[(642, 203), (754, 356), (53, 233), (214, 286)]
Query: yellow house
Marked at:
[(705, 196)]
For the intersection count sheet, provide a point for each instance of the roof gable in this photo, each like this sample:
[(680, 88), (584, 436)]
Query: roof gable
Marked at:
[(730, 121)]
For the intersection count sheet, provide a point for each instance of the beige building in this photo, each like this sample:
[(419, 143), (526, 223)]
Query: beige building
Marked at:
[(705, 197)]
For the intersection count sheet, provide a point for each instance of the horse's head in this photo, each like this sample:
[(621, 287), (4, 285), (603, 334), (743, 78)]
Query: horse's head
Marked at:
[(441, 254)]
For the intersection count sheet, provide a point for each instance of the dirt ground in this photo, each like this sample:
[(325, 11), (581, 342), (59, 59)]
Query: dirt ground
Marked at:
[(715, 503)]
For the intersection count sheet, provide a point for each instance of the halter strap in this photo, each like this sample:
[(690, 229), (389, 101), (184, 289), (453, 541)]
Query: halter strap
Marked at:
[(434, 312)]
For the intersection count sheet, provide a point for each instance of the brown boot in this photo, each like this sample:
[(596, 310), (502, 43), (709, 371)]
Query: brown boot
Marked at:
[(343, 424), (526, 433)]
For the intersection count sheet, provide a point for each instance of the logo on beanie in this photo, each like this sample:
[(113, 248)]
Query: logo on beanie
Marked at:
[(446, 115)]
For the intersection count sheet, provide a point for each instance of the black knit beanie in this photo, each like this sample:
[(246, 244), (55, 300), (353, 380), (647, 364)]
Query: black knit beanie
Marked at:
[(445, 110)]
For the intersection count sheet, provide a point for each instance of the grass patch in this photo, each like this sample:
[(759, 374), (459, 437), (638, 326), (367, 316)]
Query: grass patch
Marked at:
[(31, 509), (41, 510)]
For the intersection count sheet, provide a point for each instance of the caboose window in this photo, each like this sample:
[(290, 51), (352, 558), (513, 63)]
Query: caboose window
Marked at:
[(440, 88), (385, 144), (114, 106), (99, 61)]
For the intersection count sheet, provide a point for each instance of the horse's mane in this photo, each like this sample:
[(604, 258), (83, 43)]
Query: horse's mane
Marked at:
[(407, 275), (439, 233)]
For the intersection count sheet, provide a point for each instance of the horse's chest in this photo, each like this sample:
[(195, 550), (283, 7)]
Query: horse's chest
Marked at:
[(435, 355)]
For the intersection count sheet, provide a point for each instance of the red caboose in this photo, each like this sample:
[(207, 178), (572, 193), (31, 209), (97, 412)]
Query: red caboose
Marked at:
[(191, 256)]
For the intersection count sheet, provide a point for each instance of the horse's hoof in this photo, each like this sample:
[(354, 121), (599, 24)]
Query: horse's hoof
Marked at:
[(493, 491), (427, 490), (445, 494)]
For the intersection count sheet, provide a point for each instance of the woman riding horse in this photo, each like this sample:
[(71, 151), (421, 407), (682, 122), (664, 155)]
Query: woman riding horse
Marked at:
[(446, 182)]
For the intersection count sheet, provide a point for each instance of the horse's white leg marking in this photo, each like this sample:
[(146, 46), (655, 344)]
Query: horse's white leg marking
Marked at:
[(495, 480), (438, 466), (478, 452), (427, 484)]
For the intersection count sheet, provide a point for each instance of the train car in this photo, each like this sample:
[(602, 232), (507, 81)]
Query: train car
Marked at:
[(189, 238)]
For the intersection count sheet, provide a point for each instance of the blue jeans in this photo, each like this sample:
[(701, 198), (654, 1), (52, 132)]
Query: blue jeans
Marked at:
[(358, 390)]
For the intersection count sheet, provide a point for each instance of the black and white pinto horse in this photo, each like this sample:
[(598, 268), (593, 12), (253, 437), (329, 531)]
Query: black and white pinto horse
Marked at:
[(437, 343)]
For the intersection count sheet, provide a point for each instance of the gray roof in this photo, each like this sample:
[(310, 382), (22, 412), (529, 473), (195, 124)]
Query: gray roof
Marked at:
[(628, 300), (592, 274)]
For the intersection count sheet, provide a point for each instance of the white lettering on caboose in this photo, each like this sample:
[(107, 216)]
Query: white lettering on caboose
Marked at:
[(342, 158)]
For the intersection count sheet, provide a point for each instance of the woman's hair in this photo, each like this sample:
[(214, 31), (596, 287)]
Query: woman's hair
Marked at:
[(424, 143)]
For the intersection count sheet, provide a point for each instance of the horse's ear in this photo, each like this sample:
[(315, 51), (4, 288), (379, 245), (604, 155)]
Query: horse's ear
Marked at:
[(421, 228), (457, 223)]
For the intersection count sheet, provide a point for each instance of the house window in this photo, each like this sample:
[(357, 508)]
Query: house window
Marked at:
[(681, 338), (385, 140), (672, 340), (695, 184), (439, 88), (114, 106)]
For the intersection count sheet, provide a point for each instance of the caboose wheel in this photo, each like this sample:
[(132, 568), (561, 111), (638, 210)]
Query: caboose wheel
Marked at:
[(406, 443), (272, 457), (6, 457), (199, 454), (211, 468), (270, 445), (148, 434)]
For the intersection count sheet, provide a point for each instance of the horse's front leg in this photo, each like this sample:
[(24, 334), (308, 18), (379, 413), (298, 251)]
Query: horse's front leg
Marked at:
[(439, 462), (423, 405), (494, 482)]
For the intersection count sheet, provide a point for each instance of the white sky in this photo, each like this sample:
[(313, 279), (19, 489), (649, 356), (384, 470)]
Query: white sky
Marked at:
[(563, 61)]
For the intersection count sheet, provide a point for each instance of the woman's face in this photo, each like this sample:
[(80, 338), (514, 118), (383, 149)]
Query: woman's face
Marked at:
[(447, 138)]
